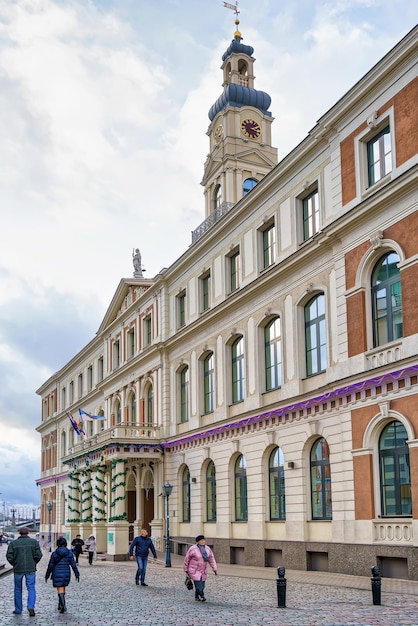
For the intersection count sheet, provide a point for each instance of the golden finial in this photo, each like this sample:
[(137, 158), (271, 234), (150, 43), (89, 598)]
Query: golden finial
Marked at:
[(234, 7)]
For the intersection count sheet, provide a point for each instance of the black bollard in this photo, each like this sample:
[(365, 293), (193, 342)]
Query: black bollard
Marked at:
[(281, 588), (376, 585)]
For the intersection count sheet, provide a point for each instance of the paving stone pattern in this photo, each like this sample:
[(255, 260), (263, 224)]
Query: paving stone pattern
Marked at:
[(107, 596)]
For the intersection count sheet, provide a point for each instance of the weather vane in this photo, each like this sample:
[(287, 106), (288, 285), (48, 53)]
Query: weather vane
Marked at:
[(234, 7)]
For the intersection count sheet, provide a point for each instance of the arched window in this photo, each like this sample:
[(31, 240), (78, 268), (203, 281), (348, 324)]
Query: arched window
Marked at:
[(132, 409), (217, 197), (248, 184), (186, 495), (118, 412), (211, 492), (238, 370), (395, 477), (315, 335), (150, 406), (386, 300), (273, 354), (209, 383), (276, 486), (184, 395), (321, 481), (241, 501)]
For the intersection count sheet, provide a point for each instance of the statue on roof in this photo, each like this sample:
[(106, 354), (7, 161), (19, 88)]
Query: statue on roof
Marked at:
[(137, 263)]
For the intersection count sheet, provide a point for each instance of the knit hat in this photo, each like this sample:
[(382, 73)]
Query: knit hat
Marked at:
[(199, 537)]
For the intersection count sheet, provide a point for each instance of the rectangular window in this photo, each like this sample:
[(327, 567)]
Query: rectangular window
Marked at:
[(90, 378), (269, 245), (184, 395), (310, 214), (71, 392), (63, 398), (100, 369), (131, 342), (379, 156), (80, 385), (181, 309), (147, 330), (209, 383), (116, 354), (205, 291), (234, 270)]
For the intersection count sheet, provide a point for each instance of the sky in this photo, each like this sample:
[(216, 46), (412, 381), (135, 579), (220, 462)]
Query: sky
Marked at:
[(103, 120)]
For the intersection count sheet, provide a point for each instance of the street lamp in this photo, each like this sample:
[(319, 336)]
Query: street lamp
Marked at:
[(167, 489), (49, 505)]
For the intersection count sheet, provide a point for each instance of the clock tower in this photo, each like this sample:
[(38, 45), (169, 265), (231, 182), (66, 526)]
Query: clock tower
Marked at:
[(239, 132)]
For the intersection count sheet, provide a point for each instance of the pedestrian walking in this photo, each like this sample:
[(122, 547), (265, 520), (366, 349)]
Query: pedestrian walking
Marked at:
[(196, 563), (91, 547), (77, 547), (140, 548), (23, 554), (59, 569)]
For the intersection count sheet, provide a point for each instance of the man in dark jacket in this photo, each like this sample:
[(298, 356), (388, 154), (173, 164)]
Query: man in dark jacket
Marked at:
[(77, 547), (141, 546), (23, 554)]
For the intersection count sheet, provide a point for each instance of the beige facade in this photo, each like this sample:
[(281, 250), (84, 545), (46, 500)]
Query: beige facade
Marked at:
[(271, 373)]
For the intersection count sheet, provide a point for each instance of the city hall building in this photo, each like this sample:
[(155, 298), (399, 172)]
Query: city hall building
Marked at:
[(270, 374)]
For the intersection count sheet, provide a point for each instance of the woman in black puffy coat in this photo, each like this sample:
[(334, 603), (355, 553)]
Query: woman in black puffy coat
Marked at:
[(59, 569)]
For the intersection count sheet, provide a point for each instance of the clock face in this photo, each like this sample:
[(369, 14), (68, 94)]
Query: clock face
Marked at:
[(218, 133), (250, 129)]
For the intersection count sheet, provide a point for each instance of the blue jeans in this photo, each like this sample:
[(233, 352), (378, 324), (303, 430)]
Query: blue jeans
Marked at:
[(30, 586), (142, 562), (199, 585)]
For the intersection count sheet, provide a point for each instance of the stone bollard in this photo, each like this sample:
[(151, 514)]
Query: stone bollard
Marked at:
[(376, 584), (281, 588)]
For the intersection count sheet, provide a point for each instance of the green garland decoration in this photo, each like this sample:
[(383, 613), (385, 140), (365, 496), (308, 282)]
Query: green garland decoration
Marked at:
[(118, 518), (118, 485)]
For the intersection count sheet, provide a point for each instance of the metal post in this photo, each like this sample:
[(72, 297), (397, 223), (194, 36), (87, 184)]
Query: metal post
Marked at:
[(376, 580), (281, 588), (49, 505), (167, 489)]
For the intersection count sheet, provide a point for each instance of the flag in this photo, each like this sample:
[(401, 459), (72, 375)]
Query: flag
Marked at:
[(76, 426), (88, 416)]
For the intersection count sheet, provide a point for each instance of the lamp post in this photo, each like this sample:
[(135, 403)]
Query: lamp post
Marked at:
[(49, 505), (167, 489)]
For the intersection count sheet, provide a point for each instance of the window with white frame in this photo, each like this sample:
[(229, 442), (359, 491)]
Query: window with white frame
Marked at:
[(273, 354), (248, 184), (184, 394), (310, 214), (211, 492), (386, 300), (238, 370), (208, 383), (204, 282), (181, 309), (233, 270), (395, 472), (268, 244), (315, 335), (379, 156)]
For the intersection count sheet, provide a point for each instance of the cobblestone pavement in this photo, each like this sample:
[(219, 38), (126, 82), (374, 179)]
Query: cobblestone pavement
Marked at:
[(108, 596)]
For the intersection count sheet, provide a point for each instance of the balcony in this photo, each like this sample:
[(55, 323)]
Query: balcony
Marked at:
[(393, 532), (125, 434), (214, 217)]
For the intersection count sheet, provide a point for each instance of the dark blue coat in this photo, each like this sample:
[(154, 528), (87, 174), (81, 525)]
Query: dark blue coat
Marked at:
[(59, 567), (141, 547)]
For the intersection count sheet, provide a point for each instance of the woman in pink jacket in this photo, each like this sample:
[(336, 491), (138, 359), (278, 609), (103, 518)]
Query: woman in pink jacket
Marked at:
[(196, 563)]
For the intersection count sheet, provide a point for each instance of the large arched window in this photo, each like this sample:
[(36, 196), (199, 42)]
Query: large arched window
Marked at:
[(321, 481), (209, 383), (118, 412), (315, 335), (211, 492), (184, 395), (238, 370), (241, 500), (273, 354), (248, 184), (395, 477), (386, 300), (132, 409), (150, 406), (186, 494), (276, 486)]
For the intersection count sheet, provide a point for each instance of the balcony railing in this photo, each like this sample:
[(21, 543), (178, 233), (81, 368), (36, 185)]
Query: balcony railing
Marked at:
[(214, 217), (122, 433)]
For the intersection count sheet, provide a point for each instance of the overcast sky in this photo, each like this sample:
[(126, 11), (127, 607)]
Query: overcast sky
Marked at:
[(103, 119)]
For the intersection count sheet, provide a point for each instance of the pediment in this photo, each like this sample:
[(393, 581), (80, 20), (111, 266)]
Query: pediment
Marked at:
[(251, 158), (128, 293)]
